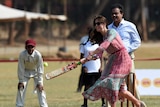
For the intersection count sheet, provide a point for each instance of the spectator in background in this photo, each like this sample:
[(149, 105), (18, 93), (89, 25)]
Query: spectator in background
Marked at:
[(129, 35), (30, 65), (91, 69), (83, 41)]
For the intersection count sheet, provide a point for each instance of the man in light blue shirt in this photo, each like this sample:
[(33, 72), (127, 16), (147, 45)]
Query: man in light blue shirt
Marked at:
[(129, 35)]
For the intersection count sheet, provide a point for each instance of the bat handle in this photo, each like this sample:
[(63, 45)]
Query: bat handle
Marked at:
[(79, 63), (82, 61)]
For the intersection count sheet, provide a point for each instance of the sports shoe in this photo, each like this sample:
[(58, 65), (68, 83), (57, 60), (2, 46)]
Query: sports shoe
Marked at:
[(103, 105), (84, 106), (143, 104)]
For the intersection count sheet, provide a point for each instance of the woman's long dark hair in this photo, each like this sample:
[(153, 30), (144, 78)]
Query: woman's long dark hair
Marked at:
[(94, 36), (97, 37)]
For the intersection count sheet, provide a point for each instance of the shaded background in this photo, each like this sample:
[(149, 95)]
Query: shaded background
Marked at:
[(144, 13)]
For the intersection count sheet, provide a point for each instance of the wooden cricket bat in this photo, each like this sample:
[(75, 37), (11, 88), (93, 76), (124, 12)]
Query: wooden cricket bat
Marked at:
[(62, 70), (67, 68)]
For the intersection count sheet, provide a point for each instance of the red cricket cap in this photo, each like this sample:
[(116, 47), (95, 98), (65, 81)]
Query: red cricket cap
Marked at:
[(30, 42)]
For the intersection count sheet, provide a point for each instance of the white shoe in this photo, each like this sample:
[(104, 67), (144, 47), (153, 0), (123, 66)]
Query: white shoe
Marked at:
[(143, 104)]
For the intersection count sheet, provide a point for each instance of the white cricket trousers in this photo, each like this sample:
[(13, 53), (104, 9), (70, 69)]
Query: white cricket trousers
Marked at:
[(22, 93)]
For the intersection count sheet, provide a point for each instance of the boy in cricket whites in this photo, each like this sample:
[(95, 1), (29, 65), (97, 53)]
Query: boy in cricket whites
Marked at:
[(30, 65)]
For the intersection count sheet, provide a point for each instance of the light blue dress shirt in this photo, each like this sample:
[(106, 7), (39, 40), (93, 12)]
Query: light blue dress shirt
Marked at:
[(129, 35)]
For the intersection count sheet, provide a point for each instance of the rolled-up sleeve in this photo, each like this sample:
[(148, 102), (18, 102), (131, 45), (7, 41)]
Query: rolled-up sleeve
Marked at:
[(40, 69), (21, 68)]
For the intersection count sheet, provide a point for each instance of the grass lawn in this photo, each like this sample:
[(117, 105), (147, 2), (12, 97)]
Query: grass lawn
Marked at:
[(61, 91)]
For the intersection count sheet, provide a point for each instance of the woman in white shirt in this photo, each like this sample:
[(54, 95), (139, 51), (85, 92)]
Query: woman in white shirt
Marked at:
[(92, 69)]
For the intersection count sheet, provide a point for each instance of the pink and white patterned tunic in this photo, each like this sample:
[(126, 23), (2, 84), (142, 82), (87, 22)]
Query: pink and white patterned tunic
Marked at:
[(112, 79)]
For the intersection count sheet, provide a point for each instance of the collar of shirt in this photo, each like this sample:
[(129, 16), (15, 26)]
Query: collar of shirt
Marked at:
[(129, 35), (32, 55), (121, 23)]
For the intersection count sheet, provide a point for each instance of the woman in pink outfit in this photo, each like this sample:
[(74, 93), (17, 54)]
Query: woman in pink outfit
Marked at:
[(111, 85)]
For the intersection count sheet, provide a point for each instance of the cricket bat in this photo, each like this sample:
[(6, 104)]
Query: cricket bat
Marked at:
[(67, 68), (62, 70)]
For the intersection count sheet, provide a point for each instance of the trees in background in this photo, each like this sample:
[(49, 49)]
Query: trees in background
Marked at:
[(145, 14)]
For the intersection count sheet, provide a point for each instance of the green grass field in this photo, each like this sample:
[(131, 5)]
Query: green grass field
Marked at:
[(61, 91)]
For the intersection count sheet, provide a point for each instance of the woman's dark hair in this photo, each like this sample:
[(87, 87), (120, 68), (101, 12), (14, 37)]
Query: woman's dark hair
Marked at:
[(117, 5), (89, 31), (101, 19), (97, 37)]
